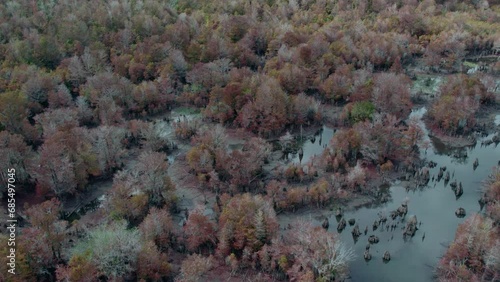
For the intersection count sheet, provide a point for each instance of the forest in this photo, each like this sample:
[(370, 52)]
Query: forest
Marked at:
[(170, 140)]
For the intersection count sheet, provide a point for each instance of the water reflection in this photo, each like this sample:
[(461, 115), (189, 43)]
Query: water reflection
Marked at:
[(313, 145), (412, 258)]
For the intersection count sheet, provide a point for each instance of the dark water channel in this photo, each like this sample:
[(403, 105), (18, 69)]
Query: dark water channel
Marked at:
[(414, 259)]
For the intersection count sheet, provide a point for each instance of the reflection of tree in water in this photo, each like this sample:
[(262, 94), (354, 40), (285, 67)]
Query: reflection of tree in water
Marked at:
[(439, 147), (414, 187), (382, 197), (459, 155), (292, 146)]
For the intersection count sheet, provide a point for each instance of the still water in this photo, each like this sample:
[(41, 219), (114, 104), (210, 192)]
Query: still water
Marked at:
[(415, 259), (314, 146), (434, 206)]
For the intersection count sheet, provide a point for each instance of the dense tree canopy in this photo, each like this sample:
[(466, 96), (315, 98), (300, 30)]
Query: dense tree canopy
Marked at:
[(93, 99)]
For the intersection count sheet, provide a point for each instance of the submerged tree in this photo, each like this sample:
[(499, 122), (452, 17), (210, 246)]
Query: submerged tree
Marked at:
[(473, 255)]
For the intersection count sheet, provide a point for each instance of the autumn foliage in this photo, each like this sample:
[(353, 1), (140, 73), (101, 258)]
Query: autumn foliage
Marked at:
[(307, 253), (246, 224), (87, 87), (221, 170), (460, 98), (199, 231), (473, 255)]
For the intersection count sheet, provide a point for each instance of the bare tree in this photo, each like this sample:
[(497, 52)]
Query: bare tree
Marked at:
[(113, 249)]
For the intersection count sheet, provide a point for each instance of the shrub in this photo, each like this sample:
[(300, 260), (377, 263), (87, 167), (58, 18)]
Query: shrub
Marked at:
[(361, 111)]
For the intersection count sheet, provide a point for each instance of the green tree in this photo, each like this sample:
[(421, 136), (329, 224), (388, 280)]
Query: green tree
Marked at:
[(361, 111), (113, 249)]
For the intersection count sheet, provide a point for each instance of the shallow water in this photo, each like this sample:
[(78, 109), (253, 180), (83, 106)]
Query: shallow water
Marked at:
[(413, 259), (434, 206), (314, 145)]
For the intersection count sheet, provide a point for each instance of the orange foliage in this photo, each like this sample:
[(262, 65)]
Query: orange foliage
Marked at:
[(472, 254), (459, 100), (152, 264), (199, 230), (246, 221), (158, 227)]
